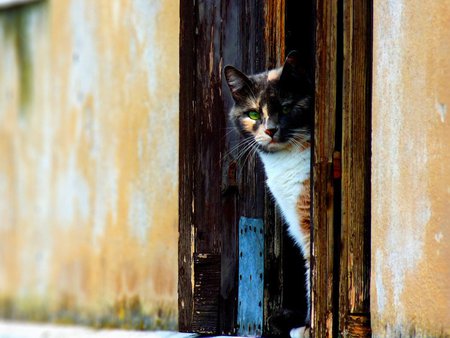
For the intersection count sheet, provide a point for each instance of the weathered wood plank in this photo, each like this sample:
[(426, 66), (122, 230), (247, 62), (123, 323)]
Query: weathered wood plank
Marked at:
[(215, 189), (357, 326), (356, 131), (206, 293), (186, 165), (322, 187), (200, 199), (274, 32), (274, 50)]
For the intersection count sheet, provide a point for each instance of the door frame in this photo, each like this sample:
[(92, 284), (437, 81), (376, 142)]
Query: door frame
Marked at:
[(208, 248)]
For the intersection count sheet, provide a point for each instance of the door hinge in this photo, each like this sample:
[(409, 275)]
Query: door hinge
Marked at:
[(337, 165)]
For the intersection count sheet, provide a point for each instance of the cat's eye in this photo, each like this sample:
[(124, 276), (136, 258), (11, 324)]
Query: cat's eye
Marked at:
[(286, 110), (254, 115)]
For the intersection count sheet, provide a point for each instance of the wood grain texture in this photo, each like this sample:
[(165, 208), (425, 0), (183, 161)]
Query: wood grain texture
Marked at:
[(324, 144), (274, 32), (357, 326), (206, 293), (186, 177), (200, 197), (215, 189), (274, 38), (356, 135)]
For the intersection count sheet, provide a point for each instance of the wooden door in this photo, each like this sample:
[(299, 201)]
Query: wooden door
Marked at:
[(213, 34), (217, 191), (222, 197)]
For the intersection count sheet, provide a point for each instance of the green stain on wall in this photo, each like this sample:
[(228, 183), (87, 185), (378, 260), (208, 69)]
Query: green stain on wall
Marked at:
[(17, 26), (124, 313)]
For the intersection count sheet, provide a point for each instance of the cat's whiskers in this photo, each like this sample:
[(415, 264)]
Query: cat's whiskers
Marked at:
[(238, 146), (300, 137), (251, 154), (301, 144), (304, 132), (294, 143), (248, 151), (229, 130), (249, 160), (248, 147)]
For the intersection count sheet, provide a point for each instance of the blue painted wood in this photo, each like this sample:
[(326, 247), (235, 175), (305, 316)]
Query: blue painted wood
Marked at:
[(251, 277)]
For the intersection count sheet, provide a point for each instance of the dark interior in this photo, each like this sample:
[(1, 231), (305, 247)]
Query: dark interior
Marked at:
[(300, 37)]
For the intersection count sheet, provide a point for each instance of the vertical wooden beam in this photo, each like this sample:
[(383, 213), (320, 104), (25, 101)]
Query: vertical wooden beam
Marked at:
[(186, 165), (274, 50), (201, 146), (274, 32), (354, 283), (322, 187)]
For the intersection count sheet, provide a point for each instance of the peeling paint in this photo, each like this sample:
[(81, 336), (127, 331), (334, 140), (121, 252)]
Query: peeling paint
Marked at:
[(146, 30), (140, 215), (381, 295), (89, 175), (438, 237), (410, 215), (441, 108), (72, 195)]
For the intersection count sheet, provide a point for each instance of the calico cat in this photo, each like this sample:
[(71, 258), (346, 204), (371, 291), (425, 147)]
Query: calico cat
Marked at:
[(273, 110)]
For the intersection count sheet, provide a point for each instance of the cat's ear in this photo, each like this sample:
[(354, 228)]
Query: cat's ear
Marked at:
[(238, 82), (293, 71)]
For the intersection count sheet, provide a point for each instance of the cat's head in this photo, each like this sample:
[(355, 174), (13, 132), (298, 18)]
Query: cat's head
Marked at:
[(275, 108)]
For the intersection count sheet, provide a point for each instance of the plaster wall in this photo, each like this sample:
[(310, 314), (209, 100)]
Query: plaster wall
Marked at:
[(89, 162), (410, 283)]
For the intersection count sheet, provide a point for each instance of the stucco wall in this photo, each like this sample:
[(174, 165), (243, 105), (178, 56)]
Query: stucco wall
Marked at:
[(89, 161), (410, 285)]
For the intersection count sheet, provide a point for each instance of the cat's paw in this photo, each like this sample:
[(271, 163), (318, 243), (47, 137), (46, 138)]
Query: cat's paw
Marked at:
[(300, 332)]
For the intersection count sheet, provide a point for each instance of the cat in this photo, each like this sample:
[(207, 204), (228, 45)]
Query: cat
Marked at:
[(273, 111)]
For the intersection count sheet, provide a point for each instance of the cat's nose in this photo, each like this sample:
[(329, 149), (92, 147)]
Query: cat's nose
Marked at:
[(271, 132)]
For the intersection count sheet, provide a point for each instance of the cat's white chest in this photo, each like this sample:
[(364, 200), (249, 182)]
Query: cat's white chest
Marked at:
[(286, 171)]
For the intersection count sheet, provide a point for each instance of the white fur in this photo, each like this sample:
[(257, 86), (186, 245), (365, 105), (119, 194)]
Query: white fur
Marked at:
[(286, 171), (274, 74), (301, 332)]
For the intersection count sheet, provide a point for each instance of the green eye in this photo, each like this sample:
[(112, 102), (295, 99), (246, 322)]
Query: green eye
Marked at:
[(254, 115), (286, 110)]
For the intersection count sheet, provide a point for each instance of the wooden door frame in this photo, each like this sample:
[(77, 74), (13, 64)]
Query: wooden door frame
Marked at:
[(341, 171), (322, 186), (354, 279)]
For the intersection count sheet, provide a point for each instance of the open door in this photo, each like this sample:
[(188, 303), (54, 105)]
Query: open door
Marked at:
[(224, 204)]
